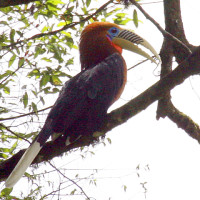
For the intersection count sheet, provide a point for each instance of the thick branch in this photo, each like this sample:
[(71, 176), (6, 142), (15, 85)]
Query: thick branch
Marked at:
[(166, 55), (174, 25), (183, 121), (7, 3), (190, 66)]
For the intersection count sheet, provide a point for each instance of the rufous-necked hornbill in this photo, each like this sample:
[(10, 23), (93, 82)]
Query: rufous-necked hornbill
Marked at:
[(84, 100)]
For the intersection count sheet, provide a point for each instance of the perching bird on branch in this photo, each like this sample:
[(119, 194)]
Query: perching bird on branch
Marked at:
[(84, 100)]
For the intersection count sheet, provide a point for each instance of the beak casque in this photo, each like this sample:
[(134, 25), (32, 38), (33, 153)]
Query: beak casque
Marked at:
[(129, 40)]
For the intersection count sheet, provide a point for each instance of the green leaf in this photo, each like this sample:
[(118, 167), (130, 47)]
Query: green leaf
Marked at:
[(121, 15), (120, 21), (6, 90), (3, 155), (3, 110), (88, 3), (13, 147), (125, 188), (35, 73), (39, 50), (47, 90), (6, 9), (70, 62), (21, 62), (109, 140), (35, 93), (44, 80), (46, 59), (24, 19), (42, 100), (55, 80), (61, 24), (12, 34), (55, 2), (6, 192), (73, 192), (52, 7), (20, 33), (45, 28), (34, 107), (4, 22), (12, 59), (135, 17), (67, 34), (57, 52), (25, 99)]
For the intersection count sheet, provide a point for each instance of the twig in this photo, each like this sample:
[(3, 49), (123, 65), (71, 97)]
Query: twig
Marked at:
[(143, 61), (88, 198), (24, 115), (164, 32), (8, 129), (59, 30), (151, 2), (10, 75)]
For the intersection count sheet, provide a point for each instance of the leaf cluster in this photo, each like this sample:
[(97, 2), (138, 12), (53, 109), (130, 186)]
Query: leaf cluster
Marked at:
[(38, 47)]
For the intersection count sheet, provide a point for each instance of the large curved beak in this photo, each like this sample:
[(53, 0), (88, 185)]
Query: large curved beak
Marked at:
[(130, 41)]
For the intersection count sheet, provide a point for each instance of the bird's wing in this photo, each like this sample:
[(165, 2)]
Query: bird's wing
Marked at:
[(92, 90)]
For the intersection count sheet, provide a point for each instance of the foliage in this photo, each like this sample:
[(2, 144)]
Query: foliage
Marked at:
[(38, 44)]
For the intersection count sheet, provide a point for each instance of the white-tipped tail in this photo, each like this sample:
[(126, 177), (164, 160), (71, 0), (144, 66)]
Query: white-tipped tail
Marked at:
[(23, 164)]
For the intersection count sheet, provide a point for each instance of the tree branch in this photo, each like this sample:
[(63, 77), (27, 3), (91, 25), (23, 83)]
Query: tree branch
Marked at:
[(84, 193), (174, 25), (188, 67), (7, 3), (183, 121), (24, 115), (73, 24), (165, 33), (166, 55), (12, 132)]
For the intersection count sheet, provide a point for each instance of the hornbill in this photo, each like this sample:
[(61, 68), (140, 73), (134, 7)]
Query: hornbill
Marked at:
[(84, 99)]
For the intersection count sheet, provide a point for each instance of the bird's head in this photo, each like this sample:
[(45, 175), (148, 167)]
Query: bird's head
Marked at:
[(101, 39)]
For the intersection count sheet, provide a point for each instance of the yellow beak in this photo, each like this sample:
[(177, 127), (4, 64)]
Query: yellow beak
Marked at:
[(130, 41)]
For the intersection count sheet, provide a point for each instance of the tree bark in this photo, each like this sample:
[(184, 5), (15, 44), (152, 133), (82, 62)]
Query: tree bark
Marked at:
[(7, 3)]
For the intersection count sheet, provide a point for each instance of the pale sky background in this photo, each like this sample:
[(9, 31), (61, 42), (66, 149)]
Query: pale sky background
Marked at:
[(172, 156)]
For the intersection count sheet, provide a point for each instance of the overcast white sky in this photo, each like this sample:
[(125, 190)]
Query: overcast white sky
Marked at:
[(172, 156)]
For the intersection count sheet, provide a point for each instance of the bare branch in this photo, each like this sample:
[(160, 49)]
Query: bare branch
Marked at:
[(165, 33), (88, 198), (24, 115)]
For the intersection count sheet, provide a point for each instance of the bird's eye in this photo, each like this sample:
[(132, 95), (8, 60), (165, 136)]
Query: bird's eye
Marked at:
[(113, 32)]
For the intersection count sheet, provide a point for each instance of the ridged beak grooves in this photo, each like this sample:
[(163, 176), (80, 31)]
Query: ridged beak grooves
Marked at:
[(129, 40)]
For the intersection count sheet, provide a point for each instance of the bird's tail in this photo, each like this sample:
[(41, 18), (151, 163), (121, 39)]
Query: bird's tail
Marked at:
[(23, 164)]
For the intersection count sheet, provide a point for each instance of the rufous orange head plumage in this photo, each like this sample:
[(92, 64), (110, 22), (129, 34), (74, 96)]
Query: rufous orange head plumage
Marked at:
[(101, 39), (94, 44)]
